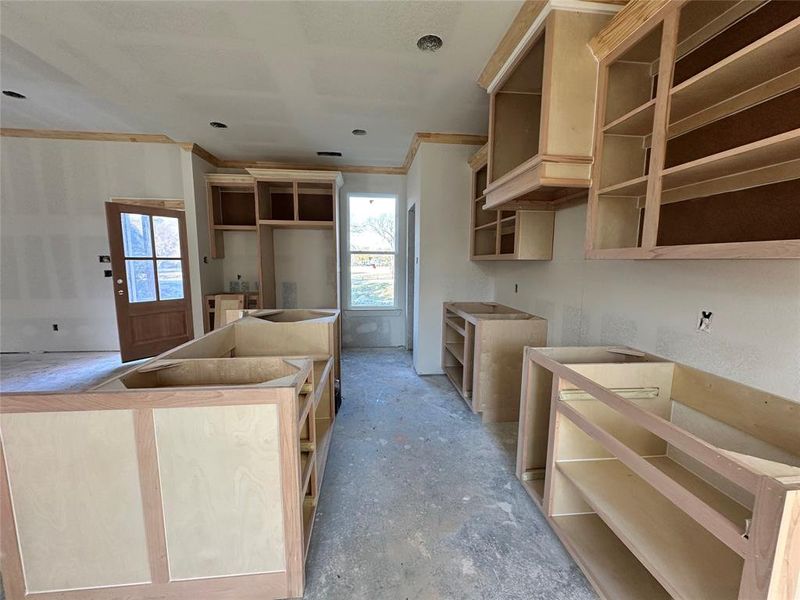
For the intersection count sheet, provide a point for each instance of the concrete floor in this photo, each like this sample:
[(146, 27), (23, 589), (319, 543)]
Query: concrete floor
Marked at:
[(419, 499)]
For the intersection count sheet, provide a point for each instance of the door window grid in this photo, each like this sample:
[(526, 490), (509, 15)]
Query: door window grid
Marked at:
[(152, 258)]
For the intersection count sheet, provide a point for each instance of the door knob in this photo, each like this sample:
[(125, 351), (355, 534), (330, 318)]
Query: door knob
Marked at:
[(120, 292)]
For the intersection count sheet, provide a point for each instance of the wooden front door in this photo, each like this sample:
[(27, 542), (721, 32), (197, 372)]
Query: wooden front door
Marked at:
[(151, 278)]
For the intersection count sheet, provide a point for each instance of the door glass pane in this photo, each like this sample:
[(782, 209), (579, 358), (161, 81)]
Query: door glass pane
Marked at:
[(371, 280), (136, 235), (168, 239), (372, 224), (170, 279), (141, 281)]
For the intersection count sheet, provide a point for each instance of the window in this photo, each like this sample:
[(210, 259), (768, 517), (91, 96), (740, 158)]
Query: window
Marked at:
[(146, 245), (372, 250)]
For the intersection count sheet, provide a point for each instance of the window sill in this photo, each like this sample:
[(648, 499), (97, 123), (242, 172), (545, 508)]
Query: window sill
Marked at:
[(373, 312)]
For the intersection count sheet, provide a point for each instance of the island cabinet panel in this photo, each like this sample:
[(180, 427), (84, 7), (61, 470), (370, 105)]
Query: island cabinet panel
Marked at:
[(193, 475)]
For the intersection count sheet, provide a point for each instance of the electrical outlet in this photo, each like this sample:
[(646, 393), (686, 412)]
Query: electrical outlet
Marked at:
[(104, 258), (107, 273), (704, 322), (55, 326)]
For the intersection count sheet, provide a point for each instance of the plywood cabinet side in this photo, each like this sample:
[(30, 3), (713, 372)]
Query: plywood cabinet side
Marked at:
[(482, 347), (623, 470)]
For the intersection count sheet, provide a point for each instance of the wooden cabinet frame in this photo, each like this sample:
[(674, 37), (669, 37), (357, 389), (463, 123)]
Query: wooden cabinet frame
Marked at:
[(662, 481), (626, 213), (303, 187)]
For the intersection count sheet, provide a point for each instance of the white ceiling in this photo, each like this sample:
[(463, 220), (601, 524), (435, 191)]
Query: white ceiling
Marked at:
[(289, 78)]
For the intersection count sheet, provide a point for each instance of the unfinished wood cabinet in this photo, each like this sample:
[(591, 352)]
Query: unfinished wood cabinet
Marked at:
[(250, 302), (661, 480), (282, 220), (541, 111), (697, 142), (482, 347), (505, 234)]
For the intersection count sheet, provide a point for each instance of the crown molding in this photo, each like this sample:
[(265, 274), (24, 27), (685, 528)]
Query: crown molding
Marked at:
[(196, 149), (95, 136), (530, 17)]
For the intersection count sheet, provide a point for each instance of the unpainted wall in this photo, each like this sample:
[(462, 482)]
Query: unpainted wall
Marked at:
[(53, 227), (374, 328), (655, 306)]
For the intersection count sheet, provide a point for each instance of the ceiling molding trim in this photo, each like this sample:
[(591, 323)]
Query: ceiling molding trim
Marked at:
[(467, 139), (96, 136), (480, 158), (527, 14), (635, 14), (525, 27), (418, 138)]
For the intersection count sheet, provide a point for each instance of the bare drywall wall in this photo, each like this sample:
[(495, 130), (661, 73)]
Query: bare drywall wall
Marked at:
[(305, 268), (371, 328), (655, 306), (53, 227), (444, 271)]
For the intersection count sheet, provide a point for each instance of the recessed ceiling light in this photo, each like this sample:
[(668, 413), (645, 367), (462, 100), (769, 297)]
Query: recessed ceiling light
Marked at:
[(328, 153), (12, 94), (218, 125), (359, 132), (429, 43)]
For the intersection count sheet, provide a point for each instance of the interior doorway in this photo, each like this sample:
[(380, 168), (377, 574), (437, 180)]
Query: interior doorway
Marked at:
[(411, 265), (150, 268)]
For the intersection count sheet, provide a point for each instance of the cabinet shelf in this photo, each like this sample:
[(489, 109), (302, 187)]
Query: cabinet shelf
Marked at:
[(632, 187), (490, 225), (235, 227), (280, 223), (456, 349), (605, 560), (768, 57), (757, 155), (687, 560), (638, 122)]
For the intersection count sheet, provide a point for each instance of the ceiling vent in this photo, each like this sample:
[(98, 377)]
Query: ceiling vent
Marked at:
[(429, 43)]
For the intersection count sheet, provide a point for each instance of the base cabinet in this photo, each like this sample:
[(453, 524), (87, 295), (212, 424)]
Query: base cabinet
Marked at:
[(482, 346), (662, 481)]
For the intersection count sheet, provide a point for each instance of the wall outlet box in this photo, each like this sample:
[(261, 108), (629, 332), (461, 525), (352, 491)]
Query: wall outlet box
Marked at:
[(704, 322)]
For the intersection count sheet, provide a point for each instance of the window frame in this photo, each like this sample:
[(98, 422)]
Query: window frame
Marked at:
[(348, 253)]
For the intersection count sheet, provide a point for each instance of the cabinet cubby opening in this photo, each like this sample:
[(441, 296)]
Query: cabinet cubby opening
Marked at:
[(486, 241), (517, 113), (480, 181), (484, 217), (632, 77), (315, 202), (763, 213), (619, 222), (234, 207), (709, 32), (276, 201)]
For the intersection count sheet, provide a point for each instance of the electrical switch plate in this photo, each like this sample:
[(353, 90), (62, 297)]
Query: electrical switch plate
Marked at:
[(704, 323)]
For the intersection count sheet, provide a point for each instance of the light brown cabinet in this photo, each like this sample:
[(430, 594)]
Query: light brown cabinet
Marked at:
[(264, 202), (697, 142)]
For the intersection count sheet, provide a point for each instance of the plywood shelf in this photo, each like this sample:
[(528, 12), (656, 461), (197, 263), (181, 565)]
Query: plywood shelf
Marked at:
[(456, 326), (767, 58), (457, 350), (491, 225), (757, 155), (632, 187), (686, 559), (638, 122), (235, 227), (278, 223), (613, 570)]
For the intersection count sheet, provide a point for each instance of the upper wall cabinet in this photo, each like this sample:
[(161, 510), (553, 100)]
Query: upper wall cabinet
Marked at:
[(697, 142), (541, 112)]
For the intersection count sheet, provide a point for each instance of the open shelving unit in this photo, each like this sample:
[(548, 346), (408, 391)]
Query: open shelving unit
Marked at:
[(540, 125), (267, 201), (505, 234), (482, 345), (662, 481), (697, 148)]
